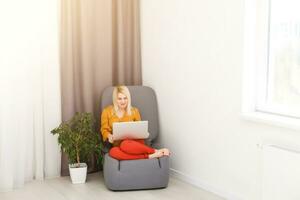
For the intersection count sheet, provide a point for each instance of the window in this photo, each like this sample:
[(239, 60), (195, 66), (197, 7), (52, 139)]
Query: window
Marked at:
[(272, 57)]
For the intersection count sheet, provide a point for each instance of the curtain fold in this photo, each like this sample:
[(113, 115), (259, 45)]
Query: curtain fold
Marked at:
[(100, 47), (126, 58), (30, 92)]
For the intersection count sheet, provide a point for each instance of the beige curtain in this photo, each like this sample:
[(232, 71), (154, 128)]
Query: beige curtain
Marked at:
[(100, 47)]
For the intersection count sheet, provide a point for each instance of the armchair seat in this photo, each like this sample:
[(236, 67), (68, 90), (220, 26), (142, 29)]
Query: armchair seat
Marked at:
[(136, 174)]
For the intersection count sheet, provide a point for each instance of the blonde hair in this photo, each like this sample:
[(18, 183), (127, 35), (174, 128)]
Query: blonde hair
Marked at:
[(125, 91)]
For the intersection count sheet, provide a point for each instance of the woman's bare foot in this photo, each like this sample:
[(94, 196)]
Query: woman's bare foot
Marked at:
[(156, 154), (165, 151)]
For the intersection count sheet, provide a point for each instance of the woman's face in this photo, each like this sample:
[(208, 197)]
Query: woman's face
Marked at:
[(122, 101)]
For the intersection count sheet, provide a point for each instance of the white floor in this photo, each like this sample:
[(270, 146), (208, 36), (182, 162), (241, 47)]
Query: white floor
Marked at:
[(62, 189)]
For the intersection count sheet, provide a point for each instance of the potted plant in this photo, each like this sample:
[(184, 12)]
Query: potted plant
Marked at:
[(79, 140)]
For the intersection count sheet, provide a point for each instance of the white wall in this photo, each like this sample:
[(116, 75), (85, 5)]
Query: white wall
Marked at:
[(192, 54)]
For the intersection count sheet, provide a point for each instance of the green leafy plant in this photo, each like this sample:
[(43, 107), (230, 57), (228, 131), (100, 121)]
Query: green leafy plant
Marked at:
[(78, 138)]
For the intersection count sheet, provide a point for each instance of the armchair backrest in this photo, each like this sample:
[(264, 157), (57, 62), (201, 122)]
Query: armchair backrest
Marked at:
[(143, 98)]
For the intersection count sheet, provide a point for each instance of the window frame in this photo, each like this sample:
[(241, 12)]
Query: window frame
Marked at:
[(256, 69)]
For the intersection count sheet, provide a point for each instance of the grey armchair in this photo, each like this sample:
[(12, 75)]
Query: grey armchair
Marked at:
[(137, 174)]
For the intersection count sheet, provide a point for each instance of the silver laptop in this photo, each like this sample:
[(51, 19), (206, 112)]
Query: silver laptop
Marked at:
[(130, 130)]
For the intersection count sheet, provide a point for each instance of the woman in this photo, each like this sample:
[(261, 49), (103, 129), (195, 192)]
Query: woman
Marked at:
[(122, 111)]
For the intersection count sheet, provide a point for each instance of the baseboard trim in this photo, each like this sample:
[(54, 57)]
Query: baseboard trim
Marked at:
[(188, 179)]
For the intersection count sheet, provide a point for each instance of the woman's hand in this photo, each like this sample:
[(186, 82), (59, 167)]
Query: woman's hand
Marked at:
[(110, 138)]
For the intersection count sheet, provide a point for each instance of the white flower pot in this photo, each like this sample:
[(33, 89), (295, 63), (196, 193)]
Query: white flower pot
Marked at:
[(78, 174)]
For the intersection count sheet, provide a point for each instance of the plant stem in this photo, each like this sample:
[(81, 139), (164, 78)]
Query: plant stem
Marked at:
[(77, 156)]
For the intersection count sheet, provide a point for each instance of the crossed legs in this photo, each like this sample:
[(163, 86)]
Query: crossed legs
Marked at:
[(135, 149)]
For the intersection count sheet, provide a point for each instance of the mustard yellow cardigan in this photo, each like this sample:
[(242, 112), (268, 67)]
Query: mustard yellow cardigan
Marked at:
[(108, 117)]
